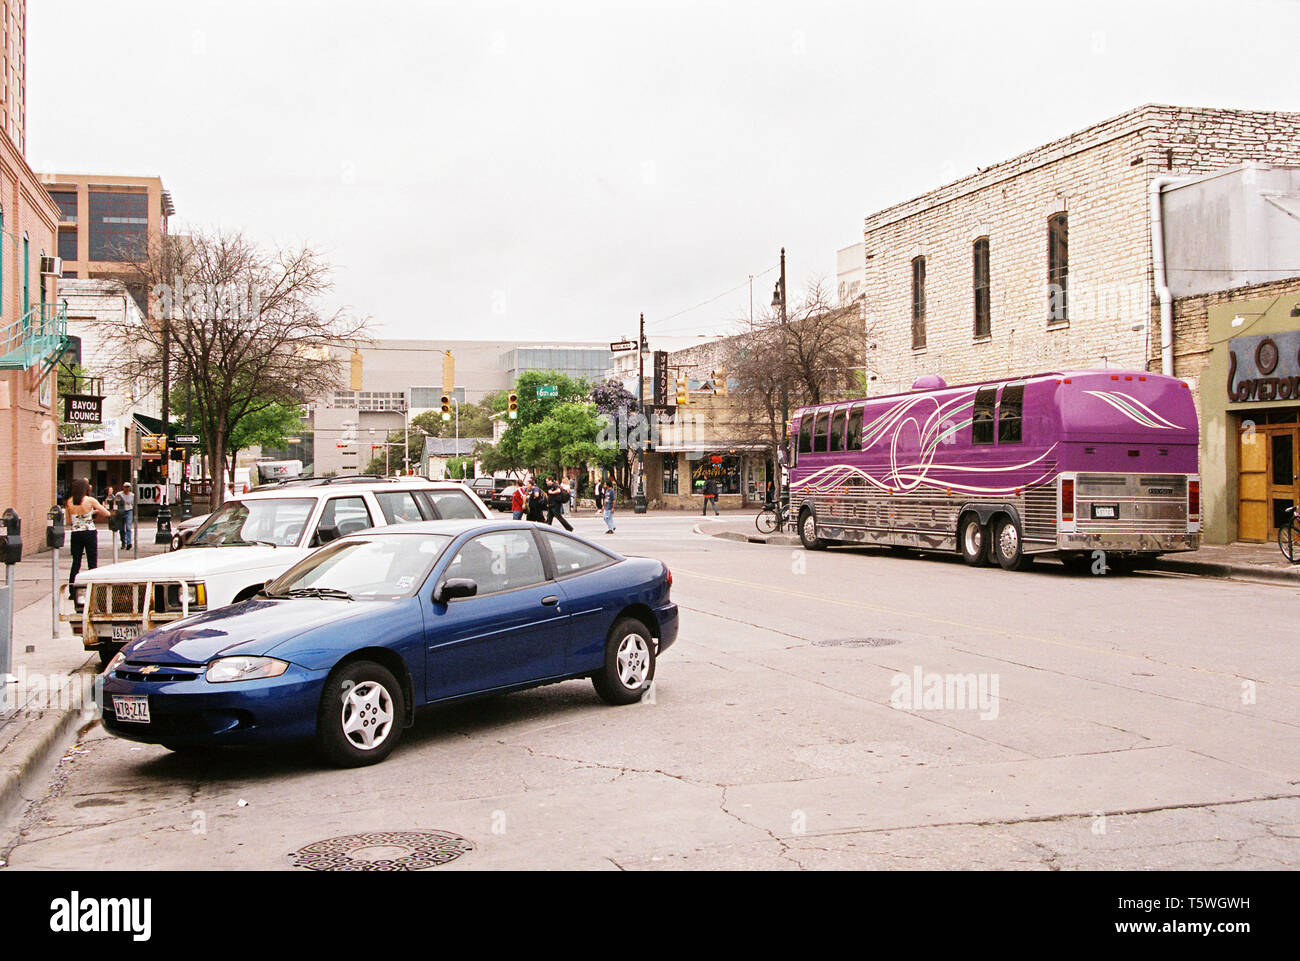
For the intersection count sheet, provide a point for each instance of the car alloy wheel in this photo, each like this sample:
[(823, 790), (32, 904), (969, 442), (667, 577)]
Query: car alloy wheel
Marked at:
[(361, 716), (629, 663), (367, 715), (633, 661)]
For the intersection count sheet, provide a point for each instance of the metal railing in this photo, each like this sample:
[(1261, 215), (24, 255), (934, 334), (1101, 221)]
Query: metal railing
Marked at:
[(38, 337)]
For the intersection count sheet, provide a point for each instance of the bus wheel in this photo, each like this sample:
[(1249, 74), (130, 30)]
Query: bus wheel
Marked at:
[(1007, 544), (808, 532), (973, 541)]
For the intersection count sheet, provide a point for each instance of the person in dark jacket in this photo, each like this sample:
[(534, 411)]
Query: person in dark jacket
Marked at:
[(536, 501), (556, 497), (710, 496)]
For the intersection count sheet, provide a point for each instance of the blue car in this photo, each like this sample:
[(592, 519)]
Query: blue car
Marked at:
[(344, 646)]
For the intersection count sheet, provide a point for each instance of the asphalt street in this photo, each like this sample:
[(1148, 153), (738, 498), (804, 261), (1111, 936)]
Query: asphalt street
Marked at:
[(841, 709)]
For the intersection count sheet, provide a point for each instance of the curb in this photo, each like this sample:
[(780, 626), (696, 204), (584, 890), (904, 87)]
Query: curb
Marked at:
[(1173, 566), (25, 757)]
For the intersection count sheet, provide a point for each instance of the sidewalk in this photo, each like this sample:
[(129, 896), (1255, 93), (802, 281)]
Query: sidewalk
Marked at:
[(54, 675), (1258, 561)]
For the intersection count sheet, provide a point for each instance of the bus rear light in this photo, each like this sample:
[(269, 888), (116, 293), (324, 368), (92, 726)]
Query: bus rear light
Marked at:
[(1067, 499), (1194, 500)]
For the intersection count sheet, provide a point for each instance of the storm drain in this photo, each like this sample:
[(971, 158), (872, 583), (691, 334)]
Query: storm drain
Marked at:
[(856, 642), (383, 851)]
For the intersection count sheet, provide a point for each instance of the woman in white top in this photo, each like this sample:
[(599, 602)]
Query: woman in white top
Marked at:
[(81, 511)]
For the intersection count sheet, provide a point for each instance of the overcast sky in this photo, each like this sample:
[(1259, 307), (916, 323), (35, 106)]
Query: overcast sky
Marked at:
[(552, 169)]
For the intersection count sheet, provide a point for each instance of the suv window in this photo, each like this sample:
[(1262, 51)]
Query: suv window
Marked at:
[(499, 561), (453, 505), (348, 514), (400, 507), (574, 557)]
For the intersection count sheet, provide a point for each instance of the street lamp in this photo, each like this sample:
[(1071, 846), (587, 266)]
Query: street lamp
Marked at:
[(638, 503), (779, 301)]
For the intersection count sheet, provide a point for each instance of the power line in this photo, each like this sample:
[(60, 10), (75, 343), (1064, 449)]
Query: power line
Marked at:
[(745, 283)]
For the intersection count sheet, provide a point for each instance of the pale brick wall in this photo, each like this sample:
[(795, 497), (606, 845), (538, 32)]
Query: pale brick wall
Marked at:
[(1099, 177)]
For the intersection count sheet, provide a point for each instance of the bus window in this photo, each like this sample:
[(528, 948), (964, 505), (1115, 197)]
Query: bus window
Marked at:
[(982, 419), (1011, 414), (804, 428), (837, 431), (819, 433), (854, 441)]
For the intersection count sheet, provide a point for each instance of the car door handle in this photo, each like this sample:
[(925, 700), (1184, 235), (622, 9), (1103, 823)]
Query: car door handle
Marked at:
[(550, 600)]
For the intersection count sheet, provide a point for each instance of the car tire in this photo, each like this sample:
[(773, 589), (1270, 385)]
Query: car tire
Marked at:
[(972, 541), (808, 532), (1008, 545), (629, 667), (362, 712)]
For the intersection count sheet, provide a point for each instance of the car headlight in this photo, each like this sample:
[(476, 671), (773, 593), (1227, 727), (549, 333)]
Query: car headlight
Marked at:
[(196, 596), (116, 662), (226, 669)]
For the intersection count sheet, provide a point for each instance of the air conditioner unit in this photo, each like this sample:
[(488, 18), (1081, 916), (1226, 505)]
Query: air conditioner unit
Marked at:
[(52, 265)]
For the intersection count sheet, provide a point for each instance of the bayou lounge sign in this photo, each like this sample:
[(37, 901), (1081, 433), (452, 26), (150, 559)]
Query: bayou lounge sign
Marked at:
[(1264, 368), (83, 409)]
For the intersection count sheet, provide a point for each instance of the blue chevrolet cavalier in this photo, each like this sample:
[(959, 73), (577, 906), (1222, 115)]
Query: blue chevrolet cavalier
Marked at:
[(344, 646)]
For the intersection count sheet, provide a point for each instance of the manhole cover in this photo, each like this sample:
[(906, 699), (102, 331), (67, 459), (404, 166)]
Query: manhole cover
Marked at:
[(856, 642), (383, 851)]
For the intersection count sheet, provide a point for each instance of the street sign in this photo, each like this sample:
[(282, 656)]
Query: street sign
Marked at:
[(548, 390), (621, 345), (187, 439)]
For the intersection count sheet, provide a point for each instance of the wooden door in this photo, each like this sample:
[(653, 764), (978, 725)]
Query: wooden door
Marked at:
[(1253, 507)]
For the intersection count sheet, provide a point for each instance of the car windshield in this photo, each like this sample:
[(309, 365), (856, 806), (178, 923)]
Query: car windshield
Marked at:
[(278, 521), (380, 567)]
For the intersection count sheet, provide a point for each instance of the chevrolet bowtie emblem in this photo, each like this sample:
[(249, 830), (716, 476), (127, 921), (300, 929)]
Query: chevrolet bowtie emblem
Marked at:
[(149, 669)]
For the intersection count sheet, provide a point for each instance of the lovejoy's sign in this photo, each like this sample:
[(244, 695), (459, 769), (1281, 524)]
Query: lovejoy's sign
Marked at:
[(1265, 367)]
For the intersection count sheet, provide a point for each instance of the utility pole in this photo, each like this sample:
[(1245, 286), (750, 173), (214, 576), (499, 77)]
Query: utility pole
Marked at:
[(779, 300), (638, 506)]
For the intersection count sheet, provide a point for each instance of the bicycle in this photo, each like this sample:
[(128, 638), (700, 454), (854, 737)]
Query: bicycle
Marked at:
[(772, 518), (1288, 535)]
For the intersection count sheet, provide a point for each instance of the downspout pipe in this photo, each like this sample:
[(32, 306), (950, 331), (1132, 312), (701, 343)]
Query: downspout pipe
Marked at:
[(1161, 275)]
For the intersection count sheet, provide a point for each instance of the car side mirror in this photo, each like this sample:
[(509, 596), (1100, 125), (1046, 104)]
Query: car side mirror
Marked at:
[(454, 587), (326, 533)]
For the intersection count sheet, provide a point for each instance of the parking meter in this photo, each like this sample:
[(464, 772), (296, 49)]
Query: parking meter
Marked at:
[(164, 533), (54, 531), (11, 543), (117, 519)]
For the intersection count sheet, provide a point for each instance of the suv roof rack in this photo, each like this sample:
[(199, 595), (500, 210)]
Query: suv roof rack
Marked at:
[(314, 481)]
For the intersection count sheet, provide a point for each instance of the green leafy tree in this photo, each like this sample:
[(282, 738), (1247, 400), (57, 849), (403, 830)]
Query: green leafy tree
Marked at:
[(269, 426), (565, 437), (509, 453)]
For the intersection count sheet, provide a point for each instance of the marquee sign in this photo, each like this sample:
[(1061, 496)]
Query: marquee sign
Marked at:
[(1265, 367), (83, 409)]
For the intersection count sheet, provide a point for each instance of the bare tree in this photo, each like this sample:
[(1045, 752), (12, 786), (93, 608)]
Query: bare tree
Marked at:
[(244, 325), (817, 355)]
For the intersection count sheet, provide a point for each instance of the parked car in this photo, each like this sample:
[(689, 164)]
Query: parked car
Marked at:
[(489, 490), (184, 531), (243, 544), (345, 645), (503, 498)]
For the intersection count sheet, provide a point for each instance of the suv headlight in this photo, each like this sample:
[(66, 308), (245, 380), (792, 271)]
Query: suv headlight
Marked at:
[(226, 669), (196, 594)]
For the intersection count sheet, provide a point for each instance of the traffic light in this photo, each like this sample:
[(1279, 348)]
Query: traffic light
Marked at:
[(446, 407), (720, 382), (683, 392), (512, 407)]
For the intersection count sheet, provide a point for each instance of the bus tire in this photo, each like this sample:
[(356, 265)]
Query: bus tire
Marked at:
[(808, 532), (972, 541), (1008, 544)]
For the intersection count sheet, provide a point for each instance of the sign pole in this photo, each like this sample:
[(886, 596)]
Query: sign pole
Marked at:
[(135, 490)]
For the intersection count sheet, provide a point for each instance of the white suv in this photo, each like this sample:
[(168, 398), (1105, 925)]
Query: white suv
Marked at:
[(249, 540)]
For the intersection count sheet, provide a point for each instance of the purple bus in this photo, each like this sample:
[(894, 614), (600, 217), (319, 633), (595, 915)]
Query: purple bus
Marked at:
[(1061, 463)]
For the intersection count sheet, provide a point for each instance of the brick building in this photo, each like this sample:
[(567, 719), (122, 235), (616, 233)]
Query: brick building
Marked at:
[(1045, 261), (31, 327)]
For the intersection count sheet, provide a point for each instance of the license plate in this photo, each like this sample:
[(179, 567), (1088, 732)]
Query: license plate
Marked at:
[(1105, 512), (129, 707), (125, 633)]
